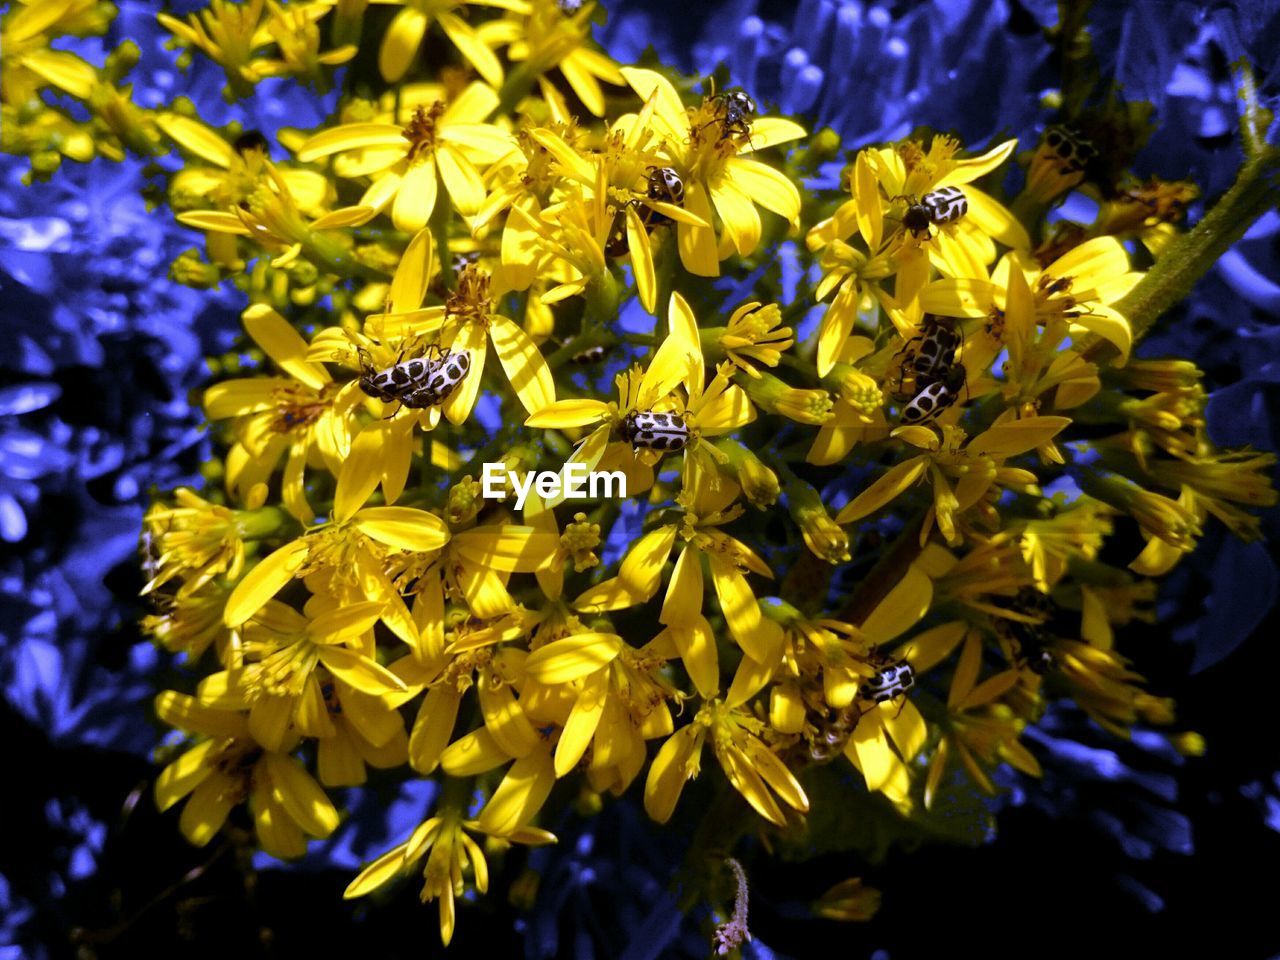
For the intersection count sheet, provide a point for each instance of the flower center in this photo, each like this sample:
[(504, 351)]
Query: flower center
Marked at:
[(421, 130)]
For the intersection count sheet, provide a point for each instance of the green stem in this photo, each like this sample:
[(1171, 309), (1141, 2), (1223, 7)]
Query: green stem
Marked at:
[(439, 224), (514, 89), (1172, 277)]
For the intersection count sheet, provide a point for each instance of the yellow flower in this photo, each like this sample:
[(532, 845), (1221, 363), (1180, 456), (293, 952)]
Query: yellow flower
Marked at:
[(707, 503), (467, 323), (959, 249), (612, 698), (345, 559), (755, 771), (195, 541), (305, 416), (1070, 297), (441, 144), (192, 622), (230, 34), (710, 410), (549, 38), (974, 465), (29, 64), (752, 336), (228, 768), (450, 851), (279, 680), (977, 728), (710, 163), (404, 36)]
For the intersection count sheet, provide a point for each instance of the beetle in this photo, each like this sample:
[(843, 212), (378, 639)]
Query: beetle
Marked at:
[(417, 383), (932, 351), (651, 430), (663, 184), (444, 377), (734, 110), (1073, 150), (935, 397), (944, 205), (890, 681)]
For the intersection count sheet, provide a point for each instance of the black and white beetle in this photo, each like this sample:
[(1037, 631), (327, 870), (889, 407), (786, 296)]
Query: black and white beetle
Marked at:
[(935, 397), (664, 185), (944, 205), (890, 681), (418, 383), (1073, 150), (651, 430), (932, 352), (590, 355)]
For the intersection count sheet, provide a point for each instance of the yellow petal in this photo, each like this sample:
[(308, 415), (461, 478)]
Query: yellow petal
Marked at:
[(293, 788), (901, 609), (581, 726), (416, 196), (641, 570), (504, 718), (377, 873), (971, 168), (1017, 436), (413, 275), (351, 136), (197, 138), (565, 660), (403, 527), (520, 796), (578, 412), (767, 186), (674, 764), (362, 673), (898, 479), (508, 548), (400, 43), (641, 260), (465, 187), (524, 365), (473, 754), (263, 582)]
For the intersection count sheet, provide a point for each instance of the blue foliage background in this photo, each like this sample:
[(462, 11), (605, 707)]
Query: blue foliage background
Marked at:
[(105, 355)]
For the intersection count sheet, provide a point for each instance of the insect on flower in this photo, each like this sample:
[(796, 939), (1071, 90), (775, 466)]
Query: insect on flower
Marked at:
[(735, 111), (1073, 150), (1029, 642), (417, 383), (590, 355), (935, 397), (944, 205), (649, 430), (891, 681), (927, 356)]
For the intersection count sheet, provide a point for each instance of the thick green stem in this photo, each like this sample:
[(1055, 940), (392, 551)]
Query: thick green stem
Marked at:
[(1187, 259)]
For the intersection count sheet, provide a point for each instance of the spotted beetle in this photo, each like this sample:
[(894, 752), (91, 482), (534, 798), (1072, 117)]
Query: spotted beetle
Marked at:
[(890, 681), (944, 205), (418, 383), (664, 185), (650, 430), (935, 397), (444, 377), (932, 352), (1073, 150)]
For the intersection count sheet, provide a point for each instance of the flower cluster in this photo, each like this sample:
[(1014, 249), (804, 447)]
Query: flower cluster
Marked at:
[(884, 503)]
